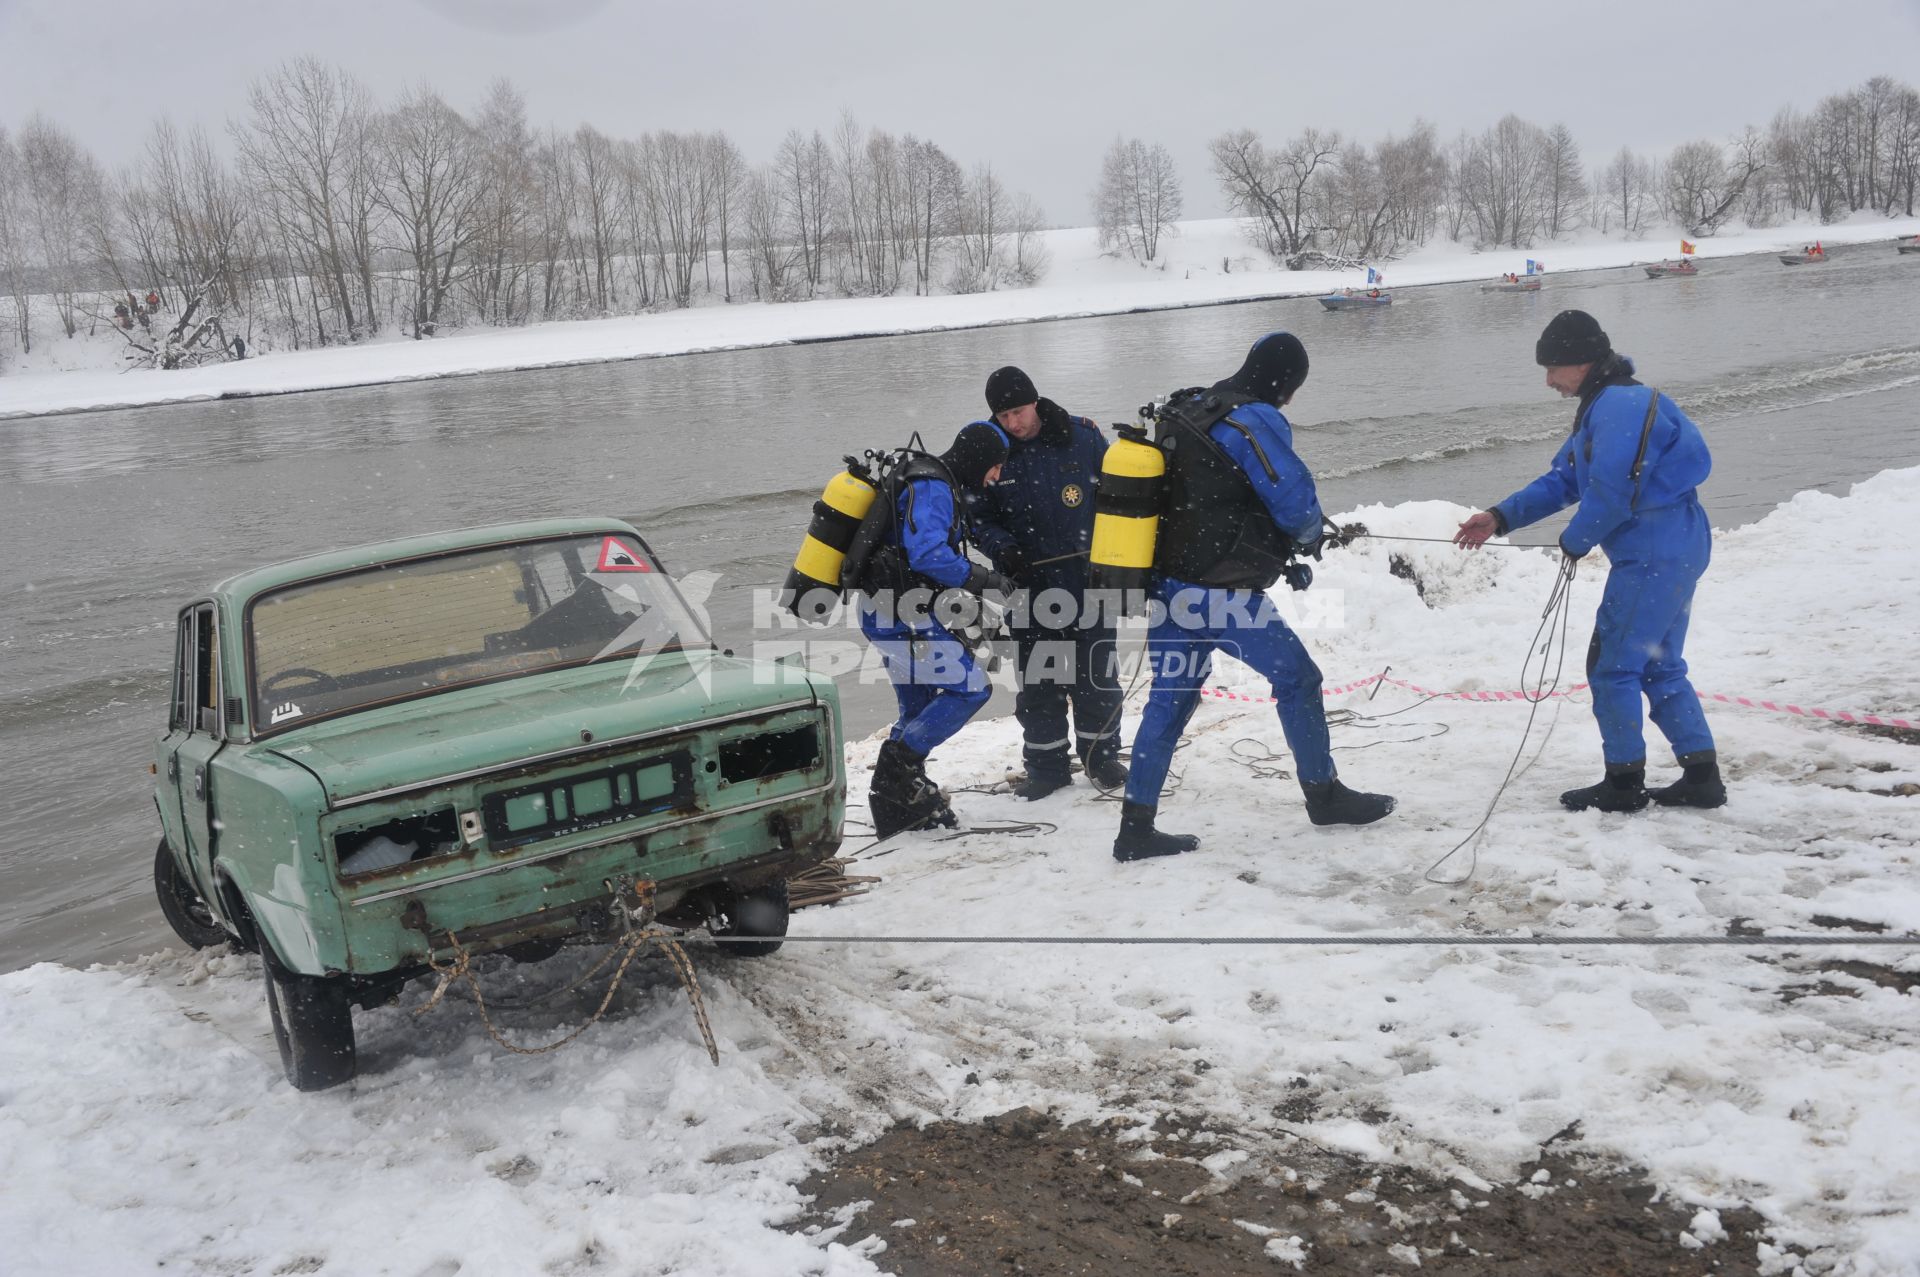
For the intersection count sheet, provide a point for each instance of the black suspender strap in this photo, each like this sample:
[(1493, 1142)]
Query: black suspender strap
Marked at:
[(1646, 432)]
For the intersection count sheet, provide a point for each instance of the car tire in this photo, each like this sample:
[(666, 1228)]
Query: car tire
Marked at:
[(181, 904), (762, 912), (312, 1025)]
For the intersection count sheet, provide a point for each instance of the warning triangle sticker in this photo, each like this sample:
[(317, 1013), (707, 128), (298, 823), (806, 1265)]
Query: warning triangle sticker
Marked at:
[(617, 556)]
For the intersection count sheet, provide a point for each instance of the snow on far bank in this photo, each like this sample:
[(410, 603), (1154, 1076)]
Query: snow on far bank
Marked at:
[(1082, 282), (144, 1125)]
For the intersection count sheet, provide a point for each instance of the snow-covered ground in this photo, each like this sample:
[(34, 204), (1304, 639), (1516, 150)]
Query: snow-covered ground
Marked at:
[(145, 1126), (1208, 262)]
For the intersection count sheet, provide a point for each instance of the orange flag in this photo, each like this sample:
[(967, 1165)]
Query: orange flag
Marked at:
[(1685, 247)]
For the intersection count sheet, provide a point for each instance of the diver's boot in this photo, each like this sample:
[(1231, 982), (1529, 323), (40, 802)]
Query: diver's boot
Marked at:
[(926, 800), (1699, 784), (1624, 788), (1139, 840), (890, 795), (1331, 803), (1105, 770)]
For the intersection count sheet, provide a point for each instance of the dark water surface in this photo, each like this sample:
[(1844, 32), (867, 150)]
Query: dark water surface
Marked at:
[(1802, 378)]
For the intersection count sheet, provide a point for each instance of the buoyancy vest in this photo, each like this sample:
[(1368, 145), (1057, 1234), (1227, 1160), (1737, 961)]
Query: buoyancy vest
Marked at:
[(877, 561), (1216, 531)]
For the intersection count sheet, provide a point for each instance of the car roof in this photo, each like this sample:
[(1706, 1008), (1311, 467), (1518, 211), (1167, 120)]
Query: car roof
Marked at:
[(271, 576)]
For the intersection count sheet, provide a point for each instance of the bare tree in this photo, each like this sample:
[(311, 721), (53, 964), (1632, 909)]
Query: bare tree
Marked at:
[(1626, 194), (1274, 189), (771, 255), (497, 285), (187, 229), (304, 150), (934, 188), (1566, 183), (1413, 173), (63, 185), (1138, 199), (1505, 181), (431, 187), (15, 270), (1902, 151), (597, 159), (1704, 183), (804, 167), (729, 178)]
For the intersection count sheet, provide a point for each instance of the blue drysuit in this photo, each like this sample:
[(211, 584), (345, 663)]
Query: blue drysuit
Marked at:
[(1040, 514), (1241, 623), (935, 678), (1658, 540)]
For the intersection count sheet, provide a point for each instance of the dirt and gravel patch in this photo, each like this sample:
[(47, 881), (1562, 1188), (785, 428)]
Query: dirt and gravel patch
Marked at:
[(1019, 1193)]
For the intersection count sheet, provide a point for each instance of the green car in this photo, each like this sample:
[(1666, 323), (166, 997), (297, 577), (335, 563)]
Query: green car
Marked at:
[(506, 735)]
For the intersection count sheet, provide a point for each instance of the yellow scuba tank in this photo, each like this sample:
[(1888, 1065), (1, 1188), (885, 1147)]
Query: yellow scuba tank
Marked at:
[(1126, 515), (813, 587)]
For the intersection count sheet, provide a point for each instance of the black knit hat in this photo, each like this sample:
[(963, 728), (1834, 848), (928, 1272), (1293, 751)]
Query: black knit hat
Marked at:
[(1572, 337), (1009, 388), (1275, 368), (978, 448)]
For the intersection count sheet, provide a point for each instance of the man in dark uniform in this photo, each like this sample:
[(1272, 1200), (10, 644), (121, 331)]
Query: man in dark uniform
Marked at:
[(1240, 504), (1037, 525), (1632, 464)]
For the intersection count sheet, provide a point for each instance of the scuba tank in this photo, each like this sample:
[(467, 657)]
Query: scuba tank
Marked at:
[(1126, 514), (813, 587)]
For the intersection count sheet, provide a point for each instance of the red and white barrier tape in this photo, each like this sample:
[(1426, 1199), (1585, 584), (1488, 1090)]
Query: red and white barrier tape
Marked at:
[(1830, 715)]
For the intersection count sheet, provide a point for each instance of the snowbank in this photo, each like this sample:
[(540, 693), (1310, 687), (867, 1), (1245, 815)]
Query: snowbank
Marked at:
[(143, 1121), (1208, 263)]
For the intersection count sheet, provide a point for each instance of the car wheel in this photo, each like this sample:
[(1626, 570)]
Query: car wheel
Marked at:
[(312, 1026), (762, 912), (189, 916)]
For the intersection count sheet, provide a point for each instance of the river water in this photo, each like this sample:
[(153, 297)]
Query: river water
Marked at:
[(1802, 378)]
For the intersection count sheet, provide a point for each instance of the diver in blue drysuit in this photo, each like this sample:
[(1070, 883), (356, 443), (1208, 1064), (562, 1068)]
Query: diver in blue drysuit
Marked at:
[(1633, 463), (1239, 504), (936, 681)]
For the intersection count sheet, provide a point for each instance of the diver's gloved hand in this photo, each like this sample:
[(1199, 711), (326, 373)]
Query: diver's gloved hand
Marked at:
[(1575, 555), (982, 580), (1298, 575)]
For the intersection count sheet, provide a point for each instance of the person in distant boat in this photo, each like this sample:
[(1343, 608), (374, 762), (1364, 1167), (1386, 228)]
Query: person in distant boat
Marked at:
[(1633, 466)]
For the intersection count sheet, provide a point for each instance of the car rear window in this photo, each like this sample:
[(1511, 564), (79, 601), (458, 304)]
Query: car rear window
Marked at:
[(427, 625)]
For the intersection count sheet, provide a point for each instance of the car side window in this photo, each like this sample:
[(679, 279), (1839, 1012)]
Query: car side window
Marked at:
[(182, 717), (206, 697)]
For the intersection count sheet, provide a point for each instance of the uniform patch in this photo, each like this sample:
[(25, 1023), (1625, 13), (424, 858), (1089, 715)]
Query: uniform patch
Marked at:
[(1072, 495)]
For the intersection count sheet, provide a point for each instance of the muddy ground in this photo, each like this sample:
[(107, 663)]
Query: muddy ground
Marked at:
[(1020, 1193)]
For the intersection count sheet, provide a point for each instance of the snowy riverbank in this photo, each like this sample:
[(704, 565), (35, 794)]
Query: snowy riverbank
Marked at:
[(145, 1127), (80, 374)]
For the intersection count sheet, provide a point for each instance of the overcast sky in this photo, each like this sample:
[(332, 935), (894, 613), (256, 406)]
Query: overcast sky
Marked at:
[(1039, 87)]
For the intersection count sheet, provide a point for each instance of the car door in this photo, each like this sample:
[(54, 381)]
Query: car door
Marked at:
[(167, 748), (202, 735)]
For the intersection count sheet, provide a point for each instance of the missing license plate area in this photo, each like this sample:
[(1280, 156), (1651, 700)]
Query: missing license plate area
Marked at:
[(531, 813), (769, 754)]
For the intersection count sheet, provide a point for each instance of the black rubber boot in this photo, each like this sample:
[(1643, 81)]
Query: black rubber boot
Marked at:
[(1105, 770), (902, 797), (1699, 784), (1038, 784), (1331, 803), (1139, 840), (1623, 789)]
